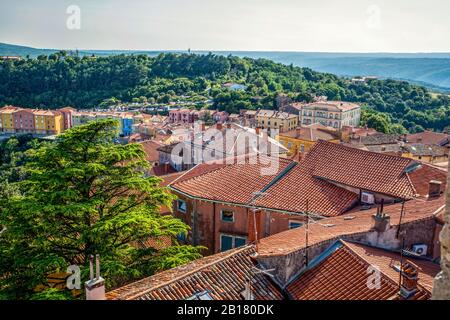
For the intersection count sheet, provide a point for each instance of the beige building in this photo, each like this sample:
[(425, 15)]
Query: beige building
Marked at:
[(273, 119), (334, 114)]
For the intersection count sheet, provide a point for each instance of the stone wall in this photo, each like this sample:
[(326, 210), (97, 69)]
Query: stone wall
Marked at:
[(441, 289), (289, 266)]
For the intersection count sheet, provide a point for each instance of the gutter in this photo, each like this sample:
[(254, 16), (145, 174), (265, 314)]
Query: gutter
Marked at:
[(246, 205)]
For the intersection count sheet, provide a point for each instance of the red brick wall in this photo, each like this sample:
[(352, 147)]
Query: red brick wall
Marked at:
[(207, 225)]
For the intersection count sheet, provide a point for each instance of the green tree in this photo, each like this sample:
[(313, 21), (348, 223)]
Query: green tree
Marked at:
[(86, 195)]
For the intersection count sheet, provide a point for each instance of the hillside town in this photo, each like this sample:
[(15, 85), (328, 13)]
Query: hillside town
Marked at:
[(340, 199)]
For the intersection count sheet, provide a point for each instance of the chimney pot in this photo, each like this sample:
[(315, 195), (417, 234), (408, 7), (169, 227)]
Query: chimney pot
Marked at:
[(434, 189), (91, 267), (219, 126), (95, 288), (409, 276), (97, 266), (381, 221)]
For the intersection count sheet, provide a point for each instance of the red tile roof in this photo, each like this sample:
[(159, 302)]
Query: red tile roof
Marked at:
[(341, 273), (162, 169), (384, 259), (150, 148), (292, 192), (223, 275), (360, 169), (311, 133), (234, 183), (293, 240), (428, 137), (313, 179), (330, 105), (421, 177)]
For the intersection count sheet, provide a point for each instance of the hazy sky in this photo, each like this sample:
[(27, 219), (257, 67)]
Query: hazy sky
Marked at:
[(270, 25)]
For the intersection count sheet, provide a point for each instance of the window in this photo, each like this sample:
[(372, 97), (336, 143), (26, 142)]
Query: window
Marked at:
[(295, 224), (181, 205), (203, 295), (289, 145), (227, 215), (228, 242)]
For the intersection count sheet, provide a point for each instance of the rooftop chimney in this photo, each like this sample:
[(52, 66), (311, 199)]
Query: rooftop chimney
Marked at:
[(95, 287), (434, 189), (202, 126), (219, 126), (381, 220), (409, 276), (228, 125), (258, 130)]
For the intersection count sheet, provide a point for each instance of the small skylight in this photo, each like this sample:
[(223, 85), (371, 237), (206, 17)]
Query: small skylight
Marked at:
[(203, 295)]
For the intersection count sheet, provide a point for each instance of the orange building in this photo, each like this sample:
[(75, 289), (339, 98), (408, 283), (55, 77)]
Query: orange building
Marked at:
[(24, 121)]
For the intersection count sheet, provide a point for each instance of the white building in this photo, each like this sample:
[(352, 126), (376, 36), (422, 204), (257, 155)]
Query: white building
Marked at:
[(334, 114)]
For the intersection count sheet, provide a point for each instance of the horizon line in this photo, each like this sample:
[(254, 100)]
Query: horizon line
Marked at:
[(231, 50)]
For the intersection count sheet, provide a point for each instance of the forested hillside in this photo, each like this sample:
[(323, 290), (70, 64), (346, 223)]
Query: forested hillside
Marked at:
[(84, 82)]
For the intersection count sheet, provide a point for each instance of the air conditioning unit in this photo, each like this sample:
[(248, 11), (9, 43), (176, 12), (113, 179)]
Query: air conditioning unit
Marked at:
[(420, 249), (367, 198)]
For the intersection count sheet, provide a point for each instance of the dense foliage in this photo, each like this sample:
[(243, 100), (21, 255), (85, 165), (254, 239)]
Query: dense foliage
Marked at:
[(84, 195), (60, 79)]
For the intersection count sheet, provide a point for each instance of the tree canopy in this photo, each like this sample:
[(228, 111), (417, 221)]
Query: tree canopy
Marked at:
[(85, 195), (85, 82)]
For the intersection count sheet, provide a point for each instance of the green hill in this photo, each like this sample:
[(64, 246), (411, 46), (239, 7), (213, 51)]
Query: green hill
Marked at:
[(60, 79)]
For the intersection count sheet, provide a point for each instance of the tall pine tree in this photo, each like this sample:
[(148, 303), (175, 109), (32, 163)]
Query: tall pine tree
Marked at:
[(86, 195)]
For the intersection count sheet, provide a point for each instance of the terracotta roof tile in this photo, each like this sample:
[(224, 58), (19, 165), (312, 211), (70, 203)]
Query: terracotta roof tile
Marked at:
[(223, 275), (234, 183), (384, 259), (293, 240), (151, 150), (340, 276), (421, 177), (292, 192), (313, 179), (360, 169), (340, 105), (428, 137), (340, 273)]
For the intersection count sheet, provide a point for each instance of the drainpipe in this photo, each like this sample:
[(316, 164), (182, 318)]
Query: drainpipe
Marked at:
[(214, 228)]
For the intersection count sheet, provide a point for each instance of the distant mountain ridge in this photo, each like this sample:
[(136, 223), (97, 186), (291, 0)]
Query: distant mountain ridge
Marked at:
[(428, 69)]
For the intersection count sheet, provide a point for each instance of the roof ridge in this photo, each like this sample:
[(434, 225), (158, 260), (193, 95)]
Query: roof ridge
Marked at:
[(320, 141), (190, 272)]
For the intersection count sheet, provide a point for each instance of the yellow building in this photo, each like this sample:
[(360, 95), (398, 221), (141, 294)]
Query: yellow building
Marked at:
[(7, 119), (48, 122), (426, 152), (302, 139), (272, 119)]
